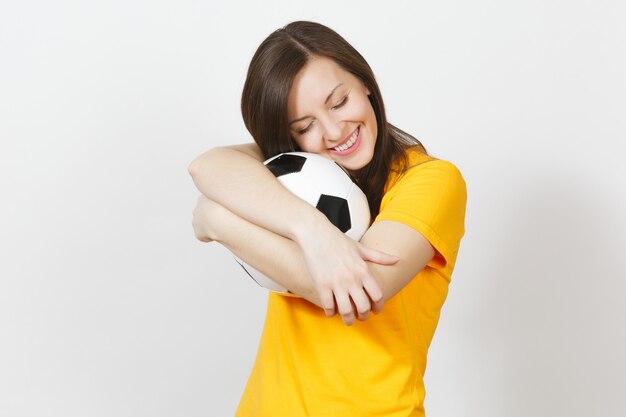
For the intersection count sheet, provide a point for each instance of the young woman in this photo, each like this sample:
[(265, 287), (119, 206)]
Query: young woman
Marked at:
[(308, 90)]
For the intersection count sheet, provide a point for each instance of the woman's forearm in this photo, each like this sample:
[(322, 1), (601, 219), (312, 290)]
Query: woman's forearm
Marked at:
[(238, 180), (272, 254)]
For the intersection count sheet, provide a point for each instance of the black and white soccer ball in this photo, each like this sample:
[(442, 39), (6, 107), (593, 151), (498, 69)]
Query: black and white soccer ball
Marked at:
[(322, 183)]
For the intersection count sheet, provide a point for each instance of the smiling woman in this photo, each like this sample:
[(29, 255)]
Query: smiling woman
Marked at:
[(308, 89), (335, 126)]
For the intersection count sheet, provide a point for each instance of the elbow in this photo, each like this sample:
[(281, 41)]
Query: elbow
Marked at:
[(195, 167)]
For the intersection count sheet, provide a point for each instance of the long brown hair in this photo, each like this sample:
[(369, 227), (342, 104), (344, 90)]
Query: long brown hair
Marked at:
[(272, 70)]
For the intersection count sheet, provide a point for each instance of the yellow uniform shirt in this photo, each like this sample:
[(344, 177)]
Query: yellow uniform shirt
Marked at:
[(316, 366)]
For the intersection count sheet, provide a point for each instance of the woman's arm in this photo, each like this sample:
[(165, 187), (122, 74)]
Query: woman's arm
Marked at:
[(235, 178), (268, 252), (284, 260)]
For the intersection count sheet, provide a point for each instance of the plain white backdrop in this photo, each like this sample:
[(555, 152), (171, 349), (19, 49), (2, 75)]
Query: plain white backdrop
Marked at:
[(110, 307)]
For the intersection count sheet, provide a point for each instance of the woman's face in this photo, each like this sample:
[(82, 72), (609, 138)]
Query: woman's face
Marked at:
[(330, 114)]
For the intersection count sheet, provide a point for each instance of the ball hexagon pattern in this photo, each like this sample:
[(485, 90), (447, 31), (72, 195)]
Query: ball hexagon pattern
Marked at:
[(325, 185)]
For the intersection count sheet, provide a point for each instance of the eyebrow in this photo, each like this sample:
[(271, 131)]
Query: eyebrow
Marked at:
[(325, 102)]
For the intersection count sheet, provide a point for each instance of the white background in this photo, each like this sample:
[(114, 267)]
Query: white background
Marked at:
[(109, 307)]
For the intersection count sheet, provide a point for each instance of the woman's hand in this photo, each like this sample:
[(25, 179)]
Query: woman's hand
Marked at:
[(204, 214), (337, 265)]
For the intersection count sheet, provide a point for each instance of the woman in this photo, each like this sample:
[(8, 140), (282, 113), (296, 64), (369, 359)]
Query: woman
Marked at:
[(308, 90)]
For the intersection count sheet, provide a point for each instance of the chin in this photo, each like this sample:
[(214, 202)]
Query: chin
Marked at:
[(357, 165)]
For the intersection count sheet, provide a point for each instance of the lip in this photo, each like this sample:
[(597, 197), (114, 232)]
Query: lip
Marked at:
[(351, 149)]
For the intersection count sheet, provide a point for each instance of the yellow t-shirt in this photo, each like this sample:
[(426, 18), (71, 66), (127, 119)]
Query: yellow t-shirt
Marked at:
[(316, 366)]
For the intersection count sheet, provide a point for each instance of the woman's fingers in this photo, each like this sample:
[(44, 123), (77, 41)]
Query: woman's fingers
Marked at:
[(344, 305), (361, 304), (377, 256), (328, 301), (355, 299), (353, 305), (375, 294), (344, 277)]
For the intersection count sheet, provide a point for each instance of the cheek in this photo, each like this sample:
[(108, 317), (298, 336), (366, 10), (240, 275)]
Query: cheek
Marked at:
[(363, 110), (306, 143)]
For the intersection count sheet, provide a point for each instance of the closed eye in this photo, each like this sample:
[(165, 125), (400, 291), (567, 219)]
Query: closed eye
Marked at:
[(342, 103), (306, 129)]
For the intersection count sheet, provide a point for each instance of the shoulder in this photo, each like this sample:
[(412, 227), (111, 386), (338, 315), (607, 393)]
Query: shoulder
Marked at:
[(429, 196), (425, 169)]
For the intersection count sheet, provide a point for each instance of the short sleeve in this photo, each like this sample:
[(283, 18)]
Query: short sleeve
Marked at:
[(431, 198)]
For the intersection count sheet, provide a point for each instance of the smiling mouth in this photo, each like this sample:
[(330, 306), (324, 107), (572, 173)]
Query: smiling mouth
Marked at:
[(348, 143)]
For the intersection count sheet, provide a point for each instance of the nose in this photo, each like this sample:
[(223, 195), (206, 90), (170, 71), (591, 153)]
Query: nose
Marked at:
[(332, 131)]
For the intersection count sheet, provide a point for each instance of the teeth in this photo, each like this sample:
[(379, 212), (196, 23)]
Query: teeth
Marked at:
[(349, 143)]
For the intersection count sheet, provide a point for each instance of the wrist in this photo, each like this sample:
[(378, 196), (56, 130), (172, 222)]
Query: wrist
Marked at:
[(217, 217), (310, 223)]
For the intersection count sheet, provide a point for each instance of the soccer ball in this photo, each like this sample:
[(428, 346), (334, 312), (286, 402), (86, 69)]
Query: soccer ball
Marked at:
[(325, 185)]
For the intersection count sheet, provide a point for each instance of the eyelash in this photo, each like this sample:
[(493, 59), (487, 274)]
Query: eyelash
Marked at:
[(341, 104), (344, 101)]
